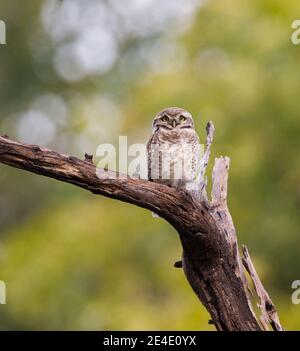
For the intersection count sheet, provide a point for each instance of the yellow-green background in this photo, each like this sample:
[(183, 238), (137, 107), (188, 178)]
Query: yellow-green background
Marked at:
[(72, 260)]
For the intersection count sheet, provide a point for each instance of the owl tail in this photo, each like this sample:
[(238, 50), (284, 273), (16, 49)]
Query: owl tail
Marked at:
[(155, 215)]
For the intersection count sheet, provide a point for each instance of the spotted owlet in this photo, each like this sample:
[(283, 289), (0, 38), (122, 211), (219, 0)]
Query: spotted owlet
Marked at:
[(173, 149)]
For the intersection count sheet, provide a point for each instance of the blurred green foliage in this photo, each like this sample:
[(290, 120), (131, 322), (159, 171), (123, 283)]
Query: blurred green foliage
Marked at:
[(76, 261)]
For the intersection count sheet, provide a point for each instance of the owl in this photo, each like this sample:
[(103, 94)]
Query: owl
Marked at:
[(173, 150)]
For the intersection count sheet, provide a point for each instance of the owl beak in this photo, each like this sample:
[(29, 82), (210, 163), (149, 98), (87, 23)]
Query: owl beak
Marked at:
[(174, 123)]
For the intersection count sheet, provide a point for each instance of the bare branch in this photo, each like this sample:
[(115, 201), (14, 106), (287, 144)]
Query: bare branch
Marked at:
[(211, 262), (202, 179), (88, 158), (220, 179), (268, 310), (84, 174)]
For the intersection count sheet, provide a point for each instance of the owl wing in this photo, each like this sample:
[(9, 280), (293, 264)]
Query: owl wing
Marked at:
[(193, 139), (149, 147), (196, 152), (196, 146), (193, 156), (150, 143)]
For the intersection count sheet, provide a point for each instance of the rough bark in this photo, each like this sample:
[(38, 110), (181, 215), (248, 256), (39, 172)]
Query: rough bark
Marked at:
[(268, 311), (211, 261)]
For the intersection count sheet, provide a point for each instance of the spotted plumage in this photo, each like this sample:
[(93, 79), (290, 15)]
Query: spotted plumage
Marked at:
[(173, 149)]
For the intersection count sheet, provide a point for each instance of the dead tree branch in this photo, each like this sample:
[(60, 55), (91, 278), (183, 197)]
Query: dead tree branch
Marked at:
[(211, 260), (268, 309)]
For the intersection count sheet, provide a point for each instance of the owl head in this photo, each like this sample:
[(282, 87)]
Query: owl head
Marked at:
[(173, 118)]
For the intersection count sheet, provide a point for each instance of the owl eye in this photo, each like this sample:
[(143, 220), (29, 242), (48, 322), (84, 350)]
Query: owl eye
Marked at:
[(165, 118), (182, 119)]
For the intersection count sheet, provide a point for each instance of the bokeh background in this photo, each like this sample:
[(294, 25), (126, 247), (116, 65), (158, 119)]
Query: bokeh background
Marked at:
[(78, 73)]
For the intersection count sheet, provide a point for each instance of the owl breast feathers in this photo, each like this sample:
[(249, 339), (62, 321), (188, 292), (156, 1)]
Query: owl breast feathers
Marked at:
[(173, 149)]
